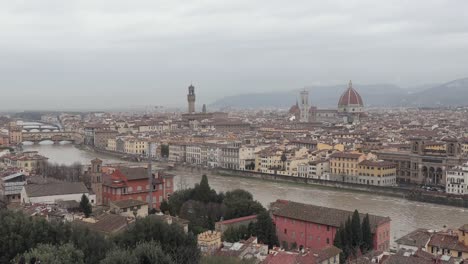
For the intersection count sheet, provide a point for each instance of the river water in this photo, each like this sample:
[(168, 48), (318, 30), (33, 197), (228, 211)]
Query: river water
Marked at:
[(406, 215)]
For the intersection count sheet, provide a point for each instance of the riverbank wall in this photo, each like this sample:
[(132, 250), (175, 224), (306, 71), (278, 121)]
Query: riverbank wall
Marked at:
[(412, 194), (406, 193)]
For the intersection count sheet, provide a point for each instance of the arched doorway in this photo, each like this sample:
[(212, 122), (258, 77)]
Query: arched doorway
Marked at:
[(438, 176), (432, 175), (425, 174)]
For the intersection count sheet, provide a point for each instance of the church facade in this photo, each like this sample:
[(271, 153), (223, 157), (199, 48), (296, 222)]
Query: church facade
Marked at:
[(350, 109)]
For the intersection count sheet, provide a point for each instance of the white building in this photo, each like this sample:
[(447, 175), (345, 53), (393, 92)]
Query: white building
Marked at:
[(177, 152), (213, 153), (457, 180), (130, 208), (193, 154), (51, 193), (247, 155), (316, 169), (11, 186)]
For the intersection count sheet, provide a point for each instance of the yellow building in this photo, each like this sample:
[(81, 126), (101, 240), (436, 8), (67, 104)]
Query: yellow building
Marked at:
[(112, 144), (29, 161), (135, 146), (465, 146), (16, 135), (209, 242), (453, 244), (380, 173), (269, 159), (292, 164), (342, 163), (323, 146)]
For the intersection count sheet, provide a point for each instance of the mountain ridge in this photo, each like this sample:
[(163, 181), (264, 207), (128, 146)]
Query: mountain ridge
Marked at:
[(453, 93)]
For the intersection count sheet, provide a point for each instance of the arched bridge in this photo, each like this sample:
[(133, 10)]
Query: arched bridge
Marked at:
[(56, 137)]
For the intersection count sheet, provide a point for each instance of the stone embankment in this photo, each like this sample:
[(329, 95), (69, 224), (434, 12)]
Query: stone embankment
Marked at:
[(413, 194)]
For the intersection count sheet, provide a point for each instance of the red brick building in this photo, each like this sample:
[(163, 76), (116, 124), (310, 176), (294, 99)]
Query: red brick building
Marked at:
[(132, 183), (314, 227)]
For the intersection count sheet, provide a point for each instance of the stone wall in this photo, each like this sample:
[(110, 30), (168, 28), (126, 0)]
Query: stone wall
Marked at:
[(410, 194)]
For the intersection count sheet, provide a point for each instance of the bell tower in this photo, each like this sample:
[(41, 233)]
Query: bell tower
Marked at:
[(96, 179), (191, 99), (304, 106)]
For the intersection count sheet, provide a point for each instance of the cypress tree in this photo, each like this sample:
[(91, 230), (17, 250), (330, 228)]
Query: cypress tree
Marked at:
[(357, 231), (85, 206), (367, 240), (339, 243), (202, 191), (349, 238)]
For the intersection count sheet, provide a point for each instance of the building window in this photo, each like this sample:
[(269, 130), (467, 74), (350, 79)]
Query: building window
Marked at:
[(285, 231)]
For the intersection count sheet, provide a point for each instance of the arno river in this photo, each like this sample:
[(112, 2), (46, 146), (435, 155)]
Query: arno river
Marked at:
[(406, 215)]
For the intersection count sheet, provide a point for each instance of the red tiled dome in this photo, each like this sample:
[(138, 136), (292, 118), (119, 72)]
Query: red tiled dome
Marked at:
[(294, 109), (350, 97)]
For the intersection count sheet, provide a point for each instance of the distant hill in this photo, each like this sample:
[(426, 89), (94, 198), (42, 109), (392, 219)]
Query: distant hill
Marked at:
[(454, 93), (321, 96)]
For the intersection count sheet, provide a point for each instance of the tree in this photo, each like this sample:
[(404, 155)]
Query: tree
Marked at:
[(50, 254), (203, 192), (339, 243), (177, 199), (235, 234), (240, 203), (356, 228), (93, 244), (283, 160), (164, 208), (85, 206), (151, 253), (367, 239), (181, 247), (265, 230), (349, 234), (119, 256), (19, 233)]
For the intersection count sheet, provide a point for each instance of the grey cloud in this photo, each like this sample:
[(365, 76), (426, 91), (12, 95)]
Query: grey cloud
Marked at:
[(125, 53)]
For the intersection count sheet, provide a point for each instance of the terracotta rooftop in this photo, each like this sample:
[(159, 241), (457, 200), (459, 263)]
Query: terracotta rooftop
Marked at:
[(318, 214)]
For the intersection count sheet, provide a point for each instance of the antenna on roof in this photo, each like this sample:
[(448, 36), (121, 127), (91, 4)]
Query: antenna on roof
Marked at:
[(150, 179)]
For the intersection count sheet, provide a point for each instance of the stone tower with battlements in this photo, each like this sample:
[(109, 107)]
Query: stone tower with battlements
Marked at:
[(191, 99)]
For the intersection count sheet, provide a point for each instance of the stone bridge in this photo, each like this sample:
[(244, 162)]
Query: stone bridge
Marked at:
[(56, 137), (42, 128)]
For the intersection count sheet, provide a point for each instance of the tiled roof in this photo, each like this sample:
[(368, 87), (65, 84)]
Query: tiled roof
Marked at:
[(447, 241), (128, 203), (417, 238), (377, 163), (236, 220), (346, 155), (109, 223), (318, 214), (350, 98), (37, 190)]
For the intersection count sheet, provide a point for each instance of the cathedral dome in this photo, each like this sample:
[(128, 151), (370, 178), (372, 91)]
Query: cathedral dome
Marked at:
[(294, 110), (350, 98)]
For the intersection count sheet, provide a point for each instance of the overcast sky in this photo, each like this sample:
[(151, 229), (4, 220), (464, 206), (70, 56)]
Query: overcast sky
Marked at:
[(99, 54)]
